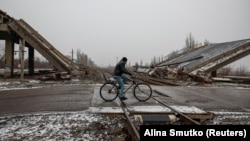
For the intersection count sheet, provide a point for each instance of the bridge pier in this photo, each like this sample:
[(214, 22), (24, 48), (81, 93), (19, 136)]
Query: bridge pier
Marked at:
[(9, 58), (31, 61), (214, 73)]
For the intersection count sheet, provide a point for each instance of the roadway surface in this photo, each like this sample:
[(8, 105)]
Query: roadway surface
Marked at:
[(82, 96)]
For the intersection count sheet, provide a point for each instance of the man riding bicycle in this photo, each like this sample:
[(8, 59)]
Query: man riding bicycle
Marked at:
[(121, 79)]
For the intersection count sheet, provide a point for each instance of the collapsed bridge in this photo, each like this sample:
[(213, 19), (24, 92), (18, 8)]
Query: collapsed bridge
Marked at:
[(201, 62), (211, 57), (19, 32)]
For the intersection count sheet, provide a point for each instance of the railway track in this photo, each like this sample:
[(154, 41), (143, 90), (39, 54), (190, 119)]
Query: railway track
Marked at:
[(134, 129)]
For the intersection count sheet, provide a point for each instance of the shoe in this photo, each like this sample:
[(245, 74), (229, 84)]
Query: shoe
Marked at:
[(123, 98)]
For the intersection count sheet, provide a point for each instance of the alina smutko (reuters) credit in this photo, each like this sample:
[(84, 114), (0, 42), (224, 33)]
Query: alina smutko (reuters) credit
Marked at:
[(207, 132)]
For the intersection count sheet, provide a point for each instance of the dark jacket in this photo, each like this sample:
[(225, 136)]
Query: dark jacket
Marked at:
[(120, 68)]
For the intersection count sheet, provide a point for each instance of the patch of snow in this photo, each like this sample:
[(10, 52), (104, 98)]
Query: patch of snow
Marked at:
[(230, 118), (80, 125)]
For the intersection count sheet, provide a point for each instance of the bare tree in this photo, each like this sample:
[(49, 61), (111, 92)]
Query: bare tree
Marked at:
[(141, 63), (153, 61), (241, 71), (206, 42), (172, 55), (91, 63), (41, 62), (225, 70), (83, 60), (190, 42)]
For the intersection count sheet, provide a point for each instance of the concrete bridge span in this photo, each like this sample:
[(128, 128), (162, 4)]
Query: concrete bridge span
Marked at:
[(20, 32)]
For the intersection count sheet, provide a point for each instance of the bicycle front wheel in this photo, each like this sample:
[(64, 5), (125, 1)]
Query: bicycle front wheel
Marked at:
[(108, 92), (142, 91)]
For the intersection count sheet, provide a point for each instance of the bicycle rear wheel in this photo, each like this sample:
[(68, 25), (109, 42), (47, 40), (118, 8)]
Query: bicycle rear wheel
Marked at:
[(108, 91), (142, 91)]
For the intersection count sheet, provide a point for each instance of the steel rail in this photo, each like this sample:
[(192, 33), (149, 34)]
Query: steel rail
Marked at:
[(133, 131), (176, 111)]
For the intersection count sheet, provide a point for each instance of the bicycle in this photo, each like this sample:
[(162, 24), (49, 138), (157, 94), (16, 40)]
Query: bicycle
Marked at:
[(109, 91)]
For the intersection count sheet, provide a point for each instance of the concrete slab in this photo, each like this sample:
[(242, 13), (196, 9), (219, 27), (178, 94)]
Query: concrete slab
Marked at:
[(105, 110), (206, 98), (149, 109), (188, 109)]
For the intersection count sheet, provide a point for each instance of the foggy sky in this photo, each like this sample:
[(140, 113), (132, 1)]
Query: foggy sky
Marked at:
[(107, 30)]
